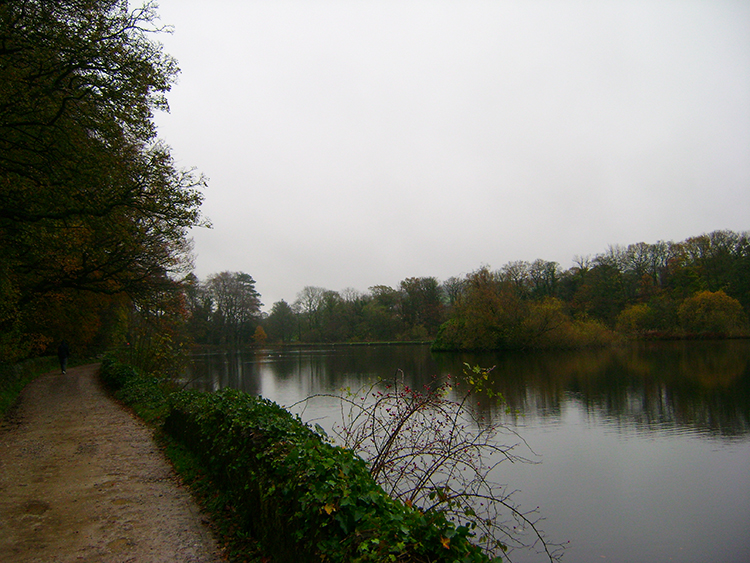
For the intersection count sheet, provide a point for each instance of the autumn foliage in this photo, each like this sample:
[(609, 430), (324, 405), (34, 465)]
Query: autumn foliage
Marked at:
[(93, 212), (713, 313), (633, 291)]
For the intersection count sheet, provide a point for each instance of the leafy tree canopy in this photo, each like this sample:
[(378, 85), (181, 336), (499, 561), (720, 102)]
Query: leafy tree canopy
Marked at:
[(90, 200)]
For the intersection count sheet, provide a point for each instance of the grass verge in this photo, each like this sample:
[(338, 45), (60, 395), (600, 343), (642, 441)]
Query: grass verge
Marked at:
[(14, 377)]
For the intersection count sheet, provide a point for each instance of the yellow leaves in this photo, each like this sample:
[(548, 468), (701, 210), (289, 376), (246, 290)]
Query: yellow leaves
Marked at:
[(446, 542), (329, 508), (712, 312)]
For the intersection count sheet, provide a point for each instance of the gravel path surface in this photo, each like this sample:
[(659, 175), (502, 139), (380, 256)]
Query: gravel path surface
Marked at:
[(81, 480)]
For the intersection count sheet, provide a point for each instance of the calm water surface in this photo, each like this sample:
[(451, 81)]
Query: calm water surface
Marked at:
[(644, 450)]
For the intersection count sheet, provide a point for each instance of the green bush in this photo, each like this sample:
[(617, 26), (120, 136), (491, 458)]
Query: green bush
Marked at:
[(302, 498), (713, 313), (145, 394), (115, 374)]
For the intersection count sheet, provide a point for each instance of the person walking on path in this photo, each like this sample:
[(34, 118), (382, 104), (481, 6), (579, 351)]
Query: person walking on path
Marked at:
[(81, 479), (63, 353)]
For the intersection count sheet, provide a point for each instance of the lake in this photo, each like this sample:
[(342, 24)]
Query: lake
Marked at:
[(644, 449)]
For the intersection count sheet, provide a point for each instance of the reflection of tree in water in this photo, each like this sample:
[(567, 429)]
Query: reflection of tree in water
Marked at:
[(702, 386), (214, 371), (651, 386), (713, 365), (665, 386)]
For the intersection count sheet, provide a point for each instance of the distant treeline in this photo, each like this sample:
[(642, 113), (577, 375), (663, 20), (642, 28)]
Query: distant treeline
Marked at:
[(696, 288), (95, 217)]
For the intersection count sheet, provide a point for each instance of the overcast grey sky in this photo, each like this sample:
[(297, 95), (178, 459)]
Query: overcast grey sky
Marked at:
[(350, 143)]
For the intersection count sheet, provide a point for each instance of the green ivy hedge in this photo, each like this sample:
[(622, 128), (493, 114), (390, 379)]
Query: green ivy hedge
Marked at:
[(302, 498), (146, 395)]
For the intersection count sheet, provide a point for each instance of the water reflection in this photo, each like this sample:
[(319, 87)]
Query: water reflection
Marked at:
[(622, 477), (700, 387), (676, 386)]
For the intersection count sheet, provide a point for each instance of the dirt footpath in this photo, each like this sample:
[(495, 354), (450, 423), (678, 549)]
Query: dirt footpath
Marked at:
[(81, 480)]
